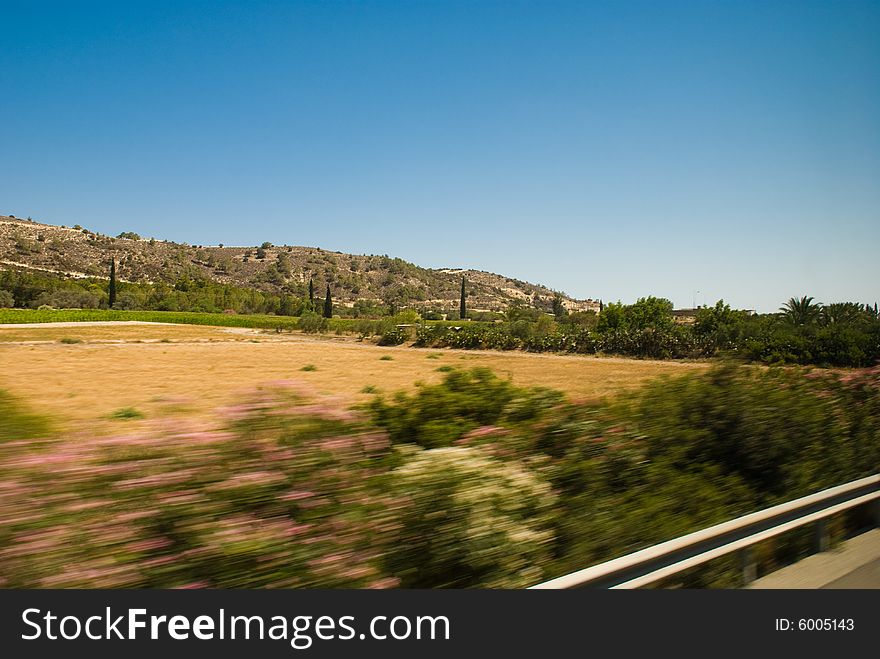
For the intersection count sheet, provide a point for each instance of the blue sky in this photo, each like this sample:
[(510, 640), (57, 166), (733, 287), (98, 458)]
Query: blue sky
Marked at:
[(607, 149)]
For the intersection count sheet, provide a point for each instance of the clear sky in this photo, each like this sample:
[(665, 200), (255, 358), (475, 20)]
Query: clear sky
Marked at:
[(606, 149)]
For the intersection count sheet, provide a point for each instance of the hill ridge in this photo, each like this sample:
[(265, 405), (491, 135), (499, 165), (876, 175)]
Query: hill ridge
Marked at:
[(78, 252)]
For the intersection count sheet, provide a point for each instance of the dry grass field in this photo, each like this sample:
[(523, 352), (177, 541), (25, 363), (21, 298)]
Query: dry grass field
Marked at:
[(115, 332), (162, 370)]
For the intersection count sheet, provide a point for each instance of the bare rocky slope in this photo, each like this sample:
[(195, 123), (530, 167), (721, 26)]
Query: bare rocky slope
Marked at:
[(78, 252)]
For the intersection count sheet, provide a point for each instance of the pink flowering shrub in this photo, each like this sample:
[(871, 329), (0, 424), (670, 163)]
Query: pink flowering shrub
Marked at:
[(279, 499)]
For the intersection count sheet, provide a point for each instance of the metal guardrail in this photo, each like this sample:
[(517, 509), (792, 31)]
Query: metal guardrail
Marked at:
[(650, 565)]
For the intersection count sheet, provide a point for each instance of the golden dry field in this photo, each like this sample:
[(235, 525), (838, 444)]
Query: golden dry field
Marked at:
[(80, 374)]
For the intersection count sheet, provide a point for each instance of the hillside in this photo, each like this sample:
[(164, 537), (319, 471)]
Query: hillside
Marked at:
[(78, 252)]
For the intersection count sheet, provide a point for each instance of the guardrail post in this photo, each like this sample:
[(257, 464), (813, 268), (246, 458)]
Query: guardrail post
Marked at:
[(821, 540), (748, 565)]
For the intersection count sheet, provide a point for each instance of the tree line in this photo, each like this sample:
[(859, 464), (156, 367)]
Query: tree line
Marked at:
[(802, 331), (32, 290)]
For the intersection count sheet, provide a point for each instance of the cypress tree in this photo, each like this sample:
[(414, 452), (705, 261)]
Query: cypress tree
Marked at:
[(328, 304), (462, 307), (311, 292), (112, 290)]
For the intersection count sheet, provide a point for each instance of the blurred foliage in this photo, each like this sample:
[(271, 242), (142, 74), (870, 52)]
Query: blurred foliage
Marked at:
[(470, 482), (437, 415), (466, 519), (280, 499), (125, 413), (18, 423)]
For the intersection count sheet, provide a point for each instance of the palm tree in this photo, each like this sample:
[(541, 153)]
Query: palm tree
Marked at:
[(801, 312), (842, 312)]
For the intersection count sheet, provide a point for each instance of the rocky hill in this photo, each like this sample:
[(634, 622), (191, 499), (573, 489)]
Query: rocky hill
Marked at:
[(77, 252)]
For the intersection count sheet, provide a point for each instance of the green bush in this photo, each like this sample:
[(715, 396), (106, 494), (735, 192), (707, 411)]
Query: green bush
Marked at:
[(437, 415), (394, 337), (312, 323), (125, 413), (777, 431)]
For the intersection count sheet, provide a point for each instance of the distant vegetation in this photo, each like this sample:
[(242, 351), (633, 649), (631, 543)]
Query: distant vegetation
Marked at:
[(472, 482), (843, 334), (33, 290), (309, 322)]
